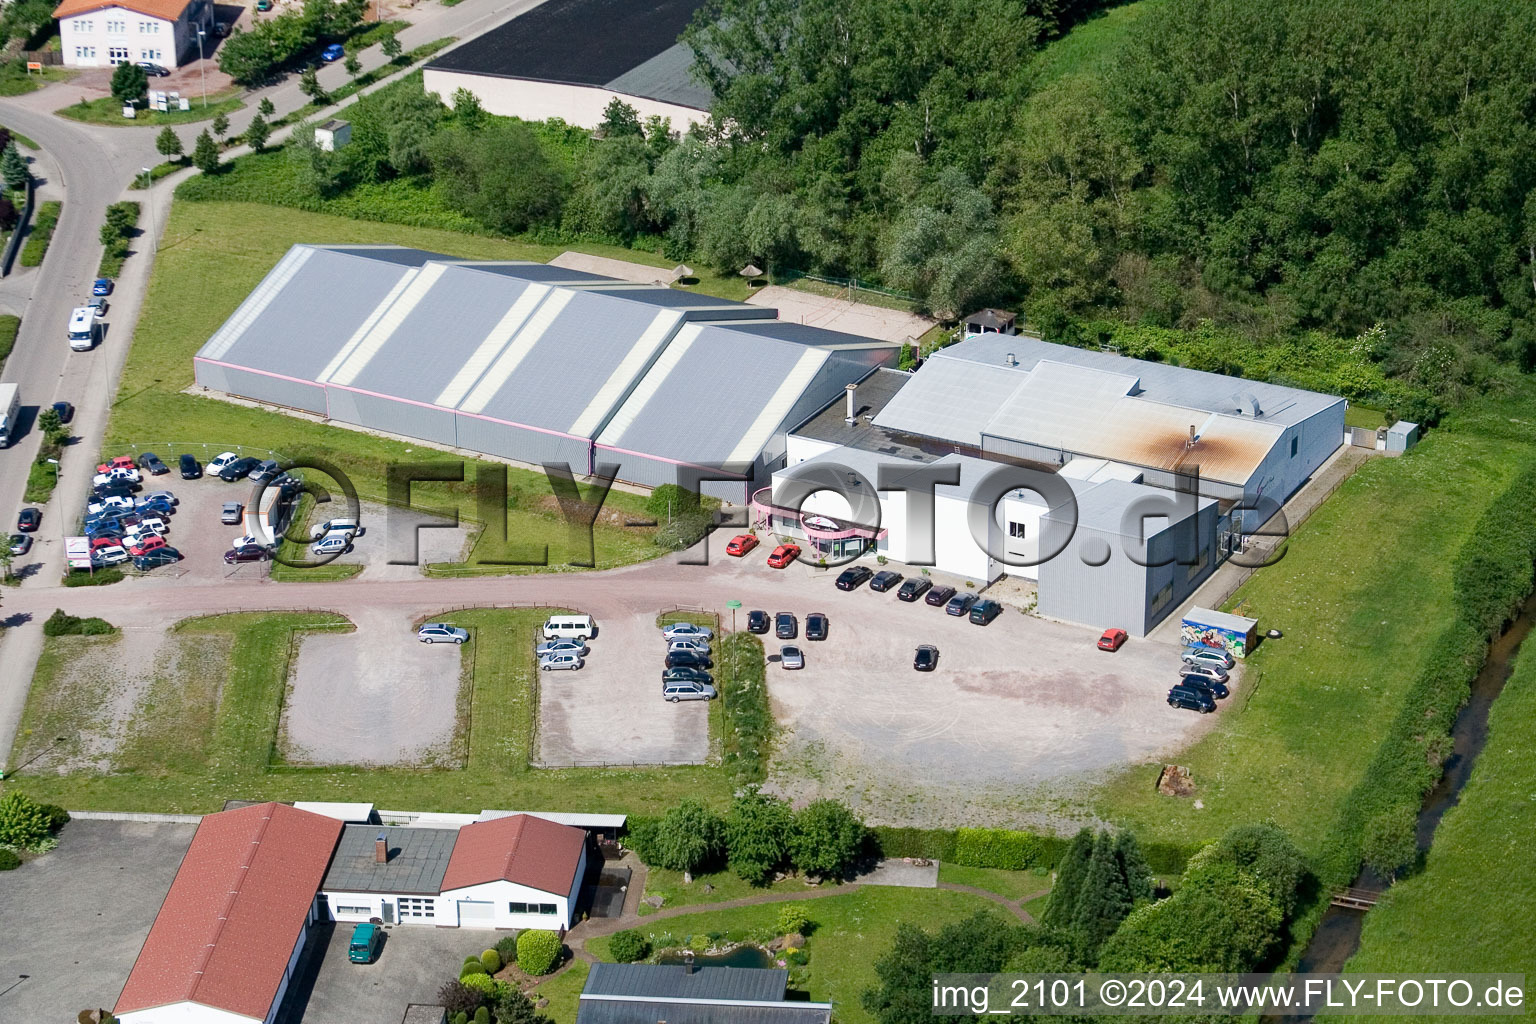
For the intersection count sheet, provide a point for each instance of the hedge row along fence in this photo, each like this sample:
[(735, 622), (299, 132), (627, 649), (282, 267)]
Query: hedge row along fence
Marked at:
[(1492, 575), (741, 675), (1008, 849)]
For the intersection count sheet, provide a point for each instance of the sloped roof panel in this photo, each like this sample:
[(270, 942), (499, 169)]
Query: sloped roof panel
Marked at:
[(535, 852), (950, 399)]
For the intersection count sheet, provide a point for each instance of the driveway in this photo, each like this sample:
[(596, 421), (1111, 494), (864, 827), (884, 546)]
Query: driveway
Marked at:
[(75, 918), (414, 964)]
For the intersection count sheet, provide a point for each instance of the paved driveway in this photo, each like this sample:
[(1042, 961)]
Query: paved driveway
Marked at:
[(414, 964), (75, 918)]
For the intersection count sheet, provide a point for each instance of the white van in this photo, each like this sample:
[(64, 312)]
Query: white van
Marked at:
[(82, 329), (569, 627)]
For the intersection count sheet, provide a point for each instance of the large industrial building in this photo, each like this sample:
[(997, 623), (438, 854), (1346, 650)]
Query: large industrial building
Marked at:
[(569, 59), (1117, 485), (533, 363)]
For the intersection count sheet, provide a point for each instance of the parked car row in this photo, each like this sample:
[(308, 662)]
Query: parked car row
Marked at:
[(685, 668), (565, 642), (778, 558), (1203, 678), (122, 525), (980, 611)]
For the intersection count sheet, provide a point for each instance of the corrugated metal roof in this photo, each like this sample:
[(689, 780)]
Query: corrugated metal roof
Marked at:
[(418, 857), (1103, 506), (614, 1011), (950, 399), (666, 77), (662, 981)]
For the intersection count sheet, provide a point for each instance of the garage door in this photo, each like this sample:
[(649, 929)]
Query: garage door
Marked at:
[(476, 912)]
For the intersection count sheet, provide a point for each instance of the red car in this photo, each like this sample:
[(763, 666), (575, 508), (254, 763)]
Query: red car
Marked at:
[(106, 540), (1112, 639), (144, 545), (121, 462), (741, 545), (783, 555)]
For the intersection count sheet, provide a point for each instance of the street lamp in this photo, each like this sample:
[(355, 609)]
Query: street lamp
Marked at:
[(149, 181), (202, 66), (34, 757)]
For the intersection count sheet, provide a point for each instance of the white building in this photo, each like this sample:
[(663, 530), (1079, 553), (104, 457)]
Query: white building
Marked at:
[(96, 33)]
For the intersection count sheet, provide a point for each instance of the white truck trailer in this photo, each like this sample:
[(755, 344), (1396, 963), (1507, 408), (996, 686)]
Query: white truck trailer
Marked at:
[(10, 402)]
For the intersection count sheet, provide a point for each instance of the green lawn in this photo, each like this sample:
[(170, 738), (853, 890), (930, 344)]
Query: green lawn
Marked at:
[(1089, 49), (848, 934), (1473, 907), (42, 478), (563, 992), (721, 886), (1013, 885), (1363, 591), (193, 743), (9, 325), (219, 251), (43, 222), (110, 112), (1364, 416), (164, 169)]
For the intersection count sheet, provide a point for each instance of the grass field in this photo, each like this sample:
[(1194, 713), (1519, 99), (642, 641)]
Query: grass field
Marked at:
[(220, 251), (563, 992), (849, 933), (1090, 49), (1473, 907), (191, 743), (109, 111), (1362, 592), (1013, 885), (9, 325), (720, 886)]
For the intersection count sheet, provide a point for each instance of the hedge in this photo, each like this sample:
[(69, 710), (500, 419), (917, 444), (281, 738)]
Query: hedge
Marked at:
[(1009, 849), (61, 623), (9, 861), (1492, 575), (741, 675)]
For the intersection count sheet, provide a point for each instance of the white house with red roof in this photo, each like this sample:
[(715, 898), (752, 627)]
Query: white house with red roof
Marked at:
[(102, 33)]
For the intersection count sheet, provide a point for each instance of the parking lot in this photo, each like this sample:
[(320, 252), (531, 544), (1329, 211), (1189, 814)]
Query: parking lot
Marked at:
[(76, 917)]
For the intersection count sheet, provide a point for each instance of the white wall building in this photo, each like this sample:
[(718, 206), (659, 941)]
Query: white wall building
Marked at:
[(95, 34)]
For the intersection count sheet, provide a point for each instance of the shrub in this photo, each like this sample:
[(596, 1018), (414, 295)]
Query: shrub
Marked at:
[(757, 836), (741, 677), (629, 946), (999, 848), (506, 948), (9, 861), (471, 967), (792, 920), (491, 960), (61, 623), (97, 578), (932, 843), (537, 951), (482, 984), (24, 823), (686, 838), (827, 839), (460, 1018), (482, 1015)]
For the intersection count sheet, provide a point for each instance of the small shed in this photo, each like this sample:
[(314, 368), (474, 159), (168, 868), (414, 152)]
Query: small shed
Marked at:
[(1401, 436), (991, 321), (1234, 633), (333, 134)]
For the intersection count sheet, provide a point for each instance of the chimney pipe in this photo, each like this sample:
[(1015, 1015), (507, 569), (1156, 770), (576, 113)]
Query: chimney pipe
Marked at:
[(849, 417), (687, 961), (1011, 360), (380, 850), (1191, 442)]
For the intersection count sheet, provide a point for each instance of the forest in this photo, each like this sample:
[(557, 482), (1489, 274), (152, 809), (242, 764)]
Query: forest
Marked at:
[(1334, 196)]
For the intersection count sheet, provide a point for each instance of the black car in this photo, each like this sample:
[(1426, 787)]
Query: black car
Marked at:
[(115, 489), (29, 520), (687, 675), (191, 469), (939, 596), (246, 553), (238, 470), (757, 621), (159, 556), (926, 659), (816, 625), (151, 462), (1193, 698), (853, 577), (983, 612), (65, 410), (960, 604), (884, 581), (786, 626), (153, 70), (688, 659), (913, 589), (1217, 690)]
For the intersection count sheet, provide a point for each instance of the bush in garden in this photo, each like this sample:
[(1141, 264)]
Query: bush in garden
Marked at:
[(537, 951), (506, 948), (24, 823), (482, 984), (757, 835), (9, 861), (492, 961), (792, 920), (628, 946), (459, 1018), (458, 999), (686, 838), (827, 839), (470, 968), (482, 1016)]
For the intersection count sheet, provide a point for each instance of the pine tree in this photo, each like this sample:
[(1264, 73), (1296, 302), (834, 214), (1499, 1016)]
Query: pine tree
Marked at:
[(1138, 875), (206, 153), (220, 125), (1070, 873), (168, 143), (14, 169), (1105, 899), (265, 107), (257, 131)]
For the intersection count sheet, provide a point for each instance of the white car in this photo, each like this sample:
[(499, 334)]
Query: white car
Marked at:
[(681, 630), (218, 465), (441, 633), (688, 644), (333, 544), (149, 524), (246, 540), (560, 647), (113, 476), (115, 501), (114, 555), (556, 662), (347, 526)]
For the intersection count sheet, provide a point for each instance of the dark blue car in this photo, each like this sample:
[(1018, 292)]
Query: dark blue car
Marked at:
[(334, 52), (102, 286)]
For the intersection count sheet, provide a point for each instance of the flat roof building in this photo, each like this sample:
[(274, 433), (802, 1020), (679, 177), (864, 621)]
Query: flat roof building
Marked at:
[(570, 58)]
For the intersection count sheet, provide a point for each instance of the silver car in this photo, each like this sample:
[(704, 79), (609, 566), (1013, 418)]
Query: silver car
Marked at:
[(685, 690), (679, 630), (557, 662), (791, 657), (696, 646), (441, 633), (1202, 669), (1208, 656), (560, 647)]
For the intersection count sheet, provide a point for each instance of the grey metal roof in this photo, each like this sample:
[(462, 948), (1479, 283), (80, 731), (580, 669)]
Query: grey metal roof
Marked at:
[(418, 857), (1102, 506), (611, 1011), (542, 272), (661, 981), (804, 334), (667, 77), (871, 396), (952, 399), (677, 298), (397, 254)]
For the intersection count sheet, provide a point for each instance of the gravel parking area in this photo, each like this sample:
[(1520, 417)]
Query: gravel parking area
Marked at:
[(77, 916), (389, 536), (376, 695)]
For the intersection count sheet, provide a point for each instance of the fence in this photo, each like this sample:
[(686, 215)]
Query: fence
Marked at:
[(47, 58), (855, 287)]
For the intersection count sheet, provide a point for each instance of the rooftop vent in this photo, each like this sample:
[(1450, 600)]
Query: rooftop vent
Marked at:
[(1010, 359), (1245, 403), (850, 417), (380, 850)]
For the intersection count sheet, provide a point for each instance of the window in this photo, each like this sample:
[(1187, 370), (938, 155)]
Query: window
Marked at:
[(1293, 447), (547, 908), (86, 52), (354, 911), (149, 54), (1016, 530), (517, 908), (149, 27), (1198, 567), (117, 54), (1162, 597), (83, 25), (533, 908), (117, 28), (412, 907)]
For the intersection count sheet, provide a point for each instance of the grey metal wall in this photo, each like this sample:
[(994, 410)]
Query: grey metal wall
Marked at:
[(1281, 473), (377, 413), (1112, 594), (260, 387), (1196, 535), (637, 469), (1023, 450), (521, 444)]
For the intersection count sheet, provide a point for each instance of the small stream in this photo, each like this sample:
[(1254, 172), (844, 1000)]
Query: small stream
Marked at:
[(1338, 935)]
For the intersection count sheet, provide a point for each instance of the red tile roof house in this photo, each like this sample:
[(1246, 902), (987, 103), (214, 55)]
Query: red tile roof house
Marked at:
[(105, 33), (228, 937)]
